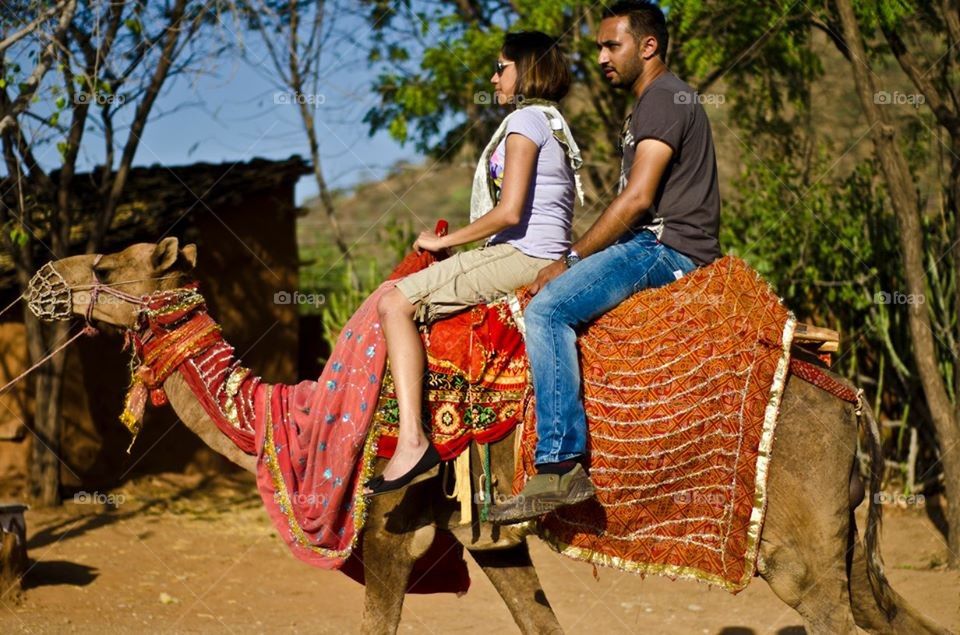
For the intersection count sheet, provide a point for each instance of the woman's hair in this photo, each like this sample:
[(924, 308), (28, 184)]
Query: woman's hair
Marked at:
[(543, 71)]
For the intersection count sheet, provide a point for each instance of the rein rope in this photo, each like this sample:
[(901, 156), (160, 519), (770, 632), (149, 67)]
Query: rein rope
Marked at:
[(171, 327), (50, 298)]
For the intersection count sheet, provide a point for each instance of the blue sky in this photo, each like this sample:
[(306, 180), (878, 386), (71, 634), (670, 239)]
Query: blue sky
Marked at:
[(236, 118), (230, 113)]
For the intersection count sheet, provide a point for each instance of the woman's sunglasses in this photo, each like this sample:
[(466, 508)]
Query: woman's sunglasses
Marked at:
[(500, 67)]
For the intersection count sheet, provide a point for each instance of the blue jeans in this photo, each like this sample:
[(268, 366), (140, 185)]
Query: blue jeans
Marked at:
[(590, 288)]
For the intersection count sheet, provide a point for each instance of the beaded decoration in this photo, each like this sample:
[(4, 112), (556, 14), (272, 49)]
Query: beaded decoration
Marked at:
[(173, 328)]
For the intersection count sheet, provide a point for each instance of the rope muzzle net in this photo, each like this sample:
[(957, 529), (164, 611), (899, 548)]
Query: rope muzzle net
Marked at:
[(48, 295)]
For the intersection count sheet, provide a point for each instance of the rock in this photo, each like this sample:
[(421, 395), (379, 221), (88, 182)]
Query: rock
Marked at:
[(166, 598)]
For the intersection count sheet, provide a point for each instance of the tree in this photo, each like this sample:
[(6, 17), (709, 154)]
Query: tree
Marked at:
[(304, 29), (903, 197), (111, 61)]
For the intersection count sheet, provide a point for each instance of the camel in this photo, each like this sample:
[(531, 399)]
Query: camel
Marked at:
[(810, 552)]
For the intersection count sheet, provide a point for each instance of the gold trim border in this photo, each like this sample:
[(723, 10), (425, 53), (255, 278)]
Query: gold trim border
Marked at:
[(632, 566), (764, 450), (282, 497)]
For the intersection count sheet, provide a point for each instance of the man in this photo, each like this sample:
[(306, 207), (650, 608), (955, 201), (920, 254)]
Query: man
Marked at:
[(663, 224)]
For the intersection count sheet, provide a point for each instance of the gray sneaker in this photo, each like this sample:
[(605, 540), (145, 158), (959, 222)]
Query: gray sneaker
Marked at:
[(542, 494)]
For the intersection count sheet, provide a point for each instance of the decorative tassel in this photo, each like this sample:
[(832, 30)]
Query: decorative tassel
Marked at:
[(463, 488), (158, 397), (177, 329), (133, 407)]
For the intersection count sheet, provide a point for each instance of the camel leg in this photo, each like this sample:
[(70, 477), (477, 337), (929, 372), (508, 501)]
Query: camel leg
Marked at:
[(512, 573), (811, 579), (397, 532), (804, 541), (386, 569), (866, 609)]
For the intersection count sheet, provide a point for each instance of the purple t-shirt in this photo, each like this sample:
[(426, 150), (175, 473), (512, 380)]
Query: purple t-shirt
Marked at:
[(545, 224)]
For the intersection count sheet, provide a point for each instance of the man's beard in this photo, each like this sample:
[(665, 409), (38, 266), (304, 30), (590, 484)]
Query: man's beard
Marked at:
[(627, 79)]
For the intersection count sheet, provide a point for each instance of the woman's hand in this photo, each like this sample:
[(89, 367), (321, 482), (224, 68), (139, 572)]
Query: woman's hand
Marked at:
[(429, 241)]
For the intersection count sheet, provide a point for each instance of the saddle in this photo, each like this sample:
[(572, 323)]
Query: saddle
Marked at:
[(681, 387)]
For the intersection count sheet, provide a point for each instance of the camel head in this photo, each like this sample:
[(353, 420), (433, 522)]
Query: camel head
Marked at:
[(112, 283)]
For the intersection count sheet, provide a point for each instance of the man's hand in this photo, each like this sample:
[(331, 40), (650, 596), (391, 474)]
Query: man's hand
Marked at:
[(547, 274), (429, 241)]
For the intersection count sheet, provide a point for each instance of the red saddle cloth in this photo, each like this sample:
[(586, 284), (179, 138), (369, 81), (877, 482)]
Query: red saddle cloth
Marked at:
[(682, 387), (476, 383)]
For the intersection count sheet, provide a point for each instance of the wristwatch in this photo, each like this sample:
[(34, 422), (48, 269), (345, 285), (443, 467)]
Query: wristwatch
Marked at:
[(571, 258)]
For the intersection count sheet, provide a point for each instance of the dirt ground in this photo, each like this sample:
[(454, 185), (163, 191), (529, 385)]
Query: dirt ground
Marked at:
[(190, 554)]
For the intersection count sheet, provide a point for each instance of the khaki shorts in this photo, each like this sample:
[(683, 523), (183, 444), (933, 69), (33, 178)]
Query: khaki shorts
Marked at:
[(467, 279)]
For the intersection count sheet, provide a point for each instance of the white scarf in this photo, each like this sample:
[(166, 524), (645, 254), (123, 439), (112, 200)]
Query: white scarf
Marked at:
[(482, 196)]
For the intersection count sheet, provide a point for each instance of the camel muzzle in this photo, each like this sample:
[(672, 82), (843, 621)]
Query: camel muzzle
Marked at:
[(48, 295)]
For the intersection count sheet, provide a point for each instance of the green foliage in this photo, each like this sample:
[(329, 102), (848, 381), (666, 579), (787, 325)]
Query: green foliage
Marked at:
[(450, 75), (345, 299), (18, 236), (437, 59), (817, 244), (328, 275)]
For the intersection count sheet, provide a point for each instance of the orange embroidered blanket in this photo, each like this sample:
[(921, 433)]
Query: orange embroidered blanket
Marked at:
[(476, 383), (682, 387)]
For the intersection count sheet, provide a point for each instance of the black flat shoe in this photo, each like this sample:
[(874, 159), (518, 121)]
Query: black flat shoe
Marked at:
[(426, 468)]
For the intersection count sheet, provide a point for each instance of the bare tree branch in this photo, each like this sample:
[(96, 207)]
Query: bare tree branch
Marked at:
[(941, 109), (32, 26), (159, 76), (302, 64)]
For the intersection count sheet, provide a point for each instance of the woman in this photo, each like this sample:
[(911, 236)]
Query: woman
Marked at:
[(522, 201)]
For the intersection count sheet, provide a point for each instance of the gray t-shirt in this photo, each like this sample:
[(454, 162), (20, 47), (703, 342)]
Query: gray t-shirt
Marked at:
[(686, 210), (547, 218)]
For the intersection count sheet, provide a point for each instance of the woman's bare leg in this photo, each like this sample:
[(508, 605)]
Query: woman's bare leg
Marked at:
[(407, 364)]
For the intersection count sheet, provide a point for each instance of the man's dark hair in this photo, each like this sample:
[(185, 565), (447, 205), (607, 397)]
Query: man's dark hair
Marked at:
[(646, 19), (543, 71)]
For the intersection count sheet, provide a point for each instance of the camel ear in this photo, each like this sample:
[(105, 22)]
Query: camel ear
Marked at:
[(165, 254), (189, 255)]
